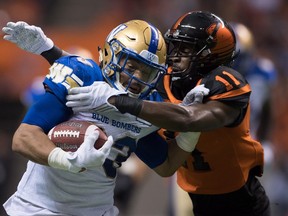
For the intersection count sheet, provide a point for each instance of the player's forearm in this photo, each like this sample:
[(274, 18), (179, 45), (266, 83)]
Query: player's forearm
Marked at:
[(176, 157), (53, 54), (192, 118), (32, 143), (165, 115)]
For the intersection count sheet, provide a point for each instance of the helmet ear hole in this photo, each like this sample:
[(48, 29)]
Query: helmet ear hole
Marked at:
[(106, 58), (105, 52)]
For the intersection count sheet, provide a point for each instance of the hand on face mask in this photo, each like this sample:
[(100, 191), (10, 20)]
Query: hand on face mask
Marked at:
[(91, 97)]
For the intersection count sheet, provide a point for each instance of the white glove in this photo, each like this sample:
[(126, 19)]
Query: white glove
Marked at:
[(195, 95), (84, 158), (89, 98), (28, 37)]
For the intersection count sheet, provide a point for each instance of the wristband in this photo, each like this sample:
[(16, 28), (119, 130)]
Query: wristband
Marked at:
[(58, 159), (52, 54), (126, 104), (48, 44), (187, 140)]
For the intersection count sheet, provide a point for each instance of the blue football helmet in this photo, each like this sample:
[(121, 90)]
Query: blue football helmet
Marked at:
[(133, 41)]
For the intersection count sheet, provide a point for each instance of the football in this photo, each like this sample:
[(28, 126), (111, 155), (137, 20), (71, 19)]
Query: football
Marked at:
[(70, 135)]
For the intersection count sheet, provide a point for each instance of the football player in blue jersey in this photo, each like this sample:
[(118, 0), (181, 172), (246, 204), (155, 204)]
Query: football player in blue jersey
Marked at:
[(131, 61)]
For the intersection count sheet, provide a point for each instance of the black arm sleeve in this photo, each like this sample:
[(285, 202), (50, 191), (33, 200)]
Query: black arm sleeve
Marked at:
[(53, 54), (126, 104)]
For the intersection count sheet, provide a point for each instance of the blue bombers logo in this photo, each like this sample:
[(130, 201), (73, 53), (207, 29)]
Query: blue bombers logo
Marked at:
[(149, 56)]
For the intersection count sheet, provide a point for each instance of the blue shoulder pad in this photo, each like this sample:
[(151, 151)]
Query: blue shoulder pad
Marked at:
[(47, 112), (71, 71)]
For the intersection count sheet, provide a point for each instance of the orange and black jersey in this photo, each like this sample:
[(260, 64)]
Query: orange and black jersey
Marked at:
[(228, 86), (223, 157)]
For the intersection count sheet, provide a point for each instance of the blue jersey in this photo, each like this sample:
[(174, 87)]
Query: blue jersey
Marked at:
[(73, 71), (67, 72), (90, 192)]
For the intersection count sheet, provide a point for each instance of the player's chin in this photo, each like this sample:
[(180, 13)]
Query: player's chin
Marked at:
[(135, 90)]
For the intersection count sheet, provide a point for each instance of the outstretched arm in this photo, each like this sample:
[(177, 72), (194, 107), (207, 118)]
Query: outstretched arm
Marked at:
[(195, 117), (174, 117), (166, 155), (176, 156), (32, 39)]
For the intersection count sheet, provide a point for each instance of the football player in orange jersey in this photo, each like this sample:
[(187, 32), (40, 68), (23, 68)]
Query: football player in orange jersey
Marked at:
[(221, 174)]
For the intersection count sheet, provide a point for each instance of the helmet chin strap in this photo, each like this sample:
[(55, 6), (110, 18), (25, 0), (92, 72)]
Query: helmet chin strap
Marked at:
[(180, 86), (120, 87), (184, 74)]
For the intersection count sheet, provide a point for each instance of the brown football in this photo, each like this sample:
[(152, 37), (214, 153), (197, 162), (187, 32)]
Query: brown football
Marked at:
[(70, 135)]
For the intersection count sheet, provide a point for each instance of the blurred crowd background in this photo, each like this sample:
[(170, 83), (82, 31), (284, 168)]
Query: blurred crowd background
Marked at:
[(74, 25)]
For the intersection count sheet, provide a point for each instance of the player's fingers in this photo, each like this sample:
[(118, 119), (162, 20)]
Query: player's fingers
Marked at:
[(99, 83), (10, 38), (79, 104), (19, 24), (206, 91), (91, 139), (78, 90), (7, 30), (11, 24), (76, 97), (72, 103), (83, 97), (203, 89), (198, 97), (107, 145)]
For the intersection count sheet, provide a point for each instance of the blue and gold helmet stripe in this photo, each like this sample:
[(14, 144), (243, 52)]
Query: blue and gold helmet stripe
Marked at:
[(154, 40)]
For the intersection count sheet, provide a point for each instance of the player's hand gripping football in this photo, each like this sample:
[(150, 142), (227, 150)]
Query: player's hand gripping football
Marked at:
[(86, 156), (195, 95), (28, 37), (89, 98)]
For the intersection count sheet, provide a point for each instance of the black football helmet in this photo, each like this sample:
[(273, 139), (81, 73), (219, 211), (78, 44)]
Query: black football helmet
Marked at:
[(210, 37)]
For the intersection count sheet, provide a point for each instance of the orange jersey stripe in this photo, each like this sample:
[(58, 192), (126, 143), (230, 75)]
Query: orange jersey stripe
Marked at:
[(166, 81), (237, 92)]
